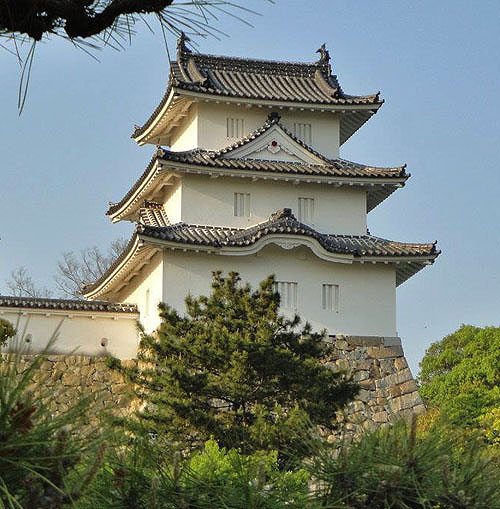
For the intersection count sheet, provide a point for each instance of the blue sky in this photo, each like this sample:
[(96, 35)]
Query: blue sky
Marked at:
[(436, 64)]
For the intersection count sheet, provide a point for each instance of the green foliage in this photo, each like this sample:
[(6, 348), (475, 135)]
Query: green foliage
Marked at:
[(461, 375), (489, 422), (38, 449), (232, 368), (7, 331), (396, 467), (148, 474)]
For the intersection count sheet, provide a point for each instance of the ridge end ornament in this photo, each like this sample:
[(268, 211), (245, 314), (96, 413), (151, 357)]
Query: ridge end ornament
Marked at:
[(324, 54)]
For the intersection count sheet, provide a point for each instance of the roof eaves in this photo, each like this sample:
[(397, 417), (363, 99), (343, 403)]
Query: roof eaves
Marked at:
[(114, 208), (67, 305), (203, 161), (283, 222), (139, 130), (128, 252)]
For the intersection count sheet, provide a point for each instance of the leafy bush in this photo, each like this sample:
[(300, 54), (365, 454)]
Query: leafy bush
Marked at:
[(400, 468), (7, 331), (37, 449), (148, 474), (460, 375)]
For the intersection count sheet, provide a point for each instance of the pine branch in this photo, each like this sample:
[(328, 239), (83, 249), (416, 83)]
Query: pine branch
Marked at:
[(78, 18)]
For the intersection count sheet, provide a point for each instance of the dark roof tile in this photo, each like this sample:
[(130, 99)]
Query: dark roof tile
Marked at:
[(284, 222), (294, 82), (66, 304)]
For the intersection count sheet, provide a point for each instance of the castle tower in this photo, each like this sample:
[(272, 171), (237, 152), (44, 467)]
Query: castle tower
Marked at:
[(246, 176)]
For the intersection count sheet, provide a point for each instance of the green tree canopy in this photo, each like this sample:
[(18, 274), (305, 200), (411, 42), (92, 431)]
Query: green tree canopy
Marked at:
[(6, 331), (234, 369), (461, 375)]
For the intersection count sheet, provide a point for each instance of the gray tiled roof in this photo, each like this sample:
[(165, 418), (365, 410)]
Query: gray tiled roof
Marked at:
[(262, 79), (218, 159), (294, 82), (284, 222), (331, 167), (334, 168), (66, 304)]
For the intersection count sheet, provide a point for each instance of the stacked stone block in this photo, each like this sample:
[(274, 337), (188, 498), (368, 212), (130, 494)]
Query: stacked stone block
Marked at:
[(388, 390), (63, 379)]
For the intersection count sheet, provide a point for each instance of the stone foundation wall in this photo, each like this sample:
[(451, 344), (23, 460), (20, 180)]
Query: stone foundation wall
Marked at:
[(68, 377), (388, 390)]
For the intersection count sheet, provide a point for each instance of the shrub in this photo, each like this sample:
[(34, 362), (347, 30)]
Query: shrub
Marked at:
[(398, 467), (7, 331), (148, 474), (460, 375)]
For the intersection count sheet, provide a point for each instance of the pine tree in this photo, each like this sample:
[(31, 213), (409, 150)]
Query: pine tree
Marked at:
[(234, 369)]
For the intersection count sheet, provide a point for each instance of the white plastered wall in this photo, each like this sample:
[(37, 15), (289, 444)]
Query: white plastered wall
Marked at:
[(211, 201), (81, 333), (146, 291), (367, 292), (173, 201), (206, 126), (185, 137)]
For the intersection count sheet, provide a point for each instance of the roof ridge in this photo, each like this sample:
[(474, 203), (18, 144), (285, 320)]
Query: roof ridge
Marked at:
[(256, 60), (187, 53)]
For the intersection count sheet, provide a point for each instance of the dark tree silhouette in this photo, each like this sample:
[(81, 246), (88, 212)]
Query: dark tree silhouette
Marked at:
[(92, 24), (81, 19), (77, 18)]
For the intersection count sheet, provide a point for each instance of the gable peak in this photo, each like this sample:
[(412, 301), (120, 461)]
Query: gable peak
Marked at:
[(274, 117), (285, 213)]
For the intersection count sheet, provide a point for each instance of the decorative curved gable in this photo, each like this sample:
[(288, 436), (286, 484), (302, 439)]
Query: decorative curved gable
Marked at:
[(282, 229), (275, 144)]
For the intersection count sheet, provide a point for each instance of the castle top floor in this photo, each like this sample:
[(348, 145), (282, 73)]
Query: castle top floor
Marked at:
[(211, 101)]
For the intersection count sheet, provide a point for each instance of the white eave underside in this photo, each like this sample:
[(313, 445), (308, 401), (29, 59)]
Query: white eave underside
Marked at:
[(129, 208), (179, 101)]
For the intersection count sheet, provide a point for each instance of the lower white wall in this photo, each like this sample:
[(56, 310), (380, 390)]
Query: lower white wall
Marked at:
[(367, 292), (146, 291), (80, 333), (367, 299)]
